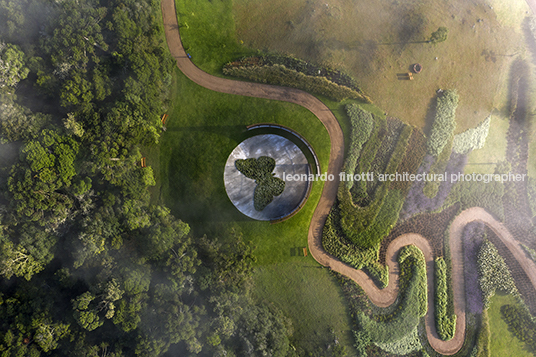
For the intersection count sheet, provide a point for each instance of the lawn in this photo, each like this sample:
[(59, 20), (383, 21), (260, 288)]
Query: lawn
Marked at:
[(202, 130), (376, 40), (503, 343)]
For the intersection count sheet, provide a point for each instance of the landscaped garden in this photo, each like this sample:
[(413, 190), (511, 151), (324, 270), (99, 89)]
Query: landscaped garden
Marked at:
[(367, 214)]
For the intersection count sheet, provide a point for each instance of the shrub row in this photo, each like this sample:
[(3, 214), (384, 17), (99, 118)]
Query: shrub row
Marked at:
[(445, 324), (358, 190), (493, 273), (444, 122), (388, 329), (390, 135), (362, 124), (335, 244), (483, 338), (366, 226), (473, 138), (280, 75), (301, 66)]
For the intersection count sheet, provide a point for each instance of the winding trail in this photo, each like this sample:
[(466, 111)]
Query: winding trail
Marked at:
[(381, 297)]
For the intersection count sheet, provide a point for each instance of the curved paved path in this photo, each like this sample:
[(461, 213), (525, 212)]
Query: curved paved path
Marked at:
[(380, 297)]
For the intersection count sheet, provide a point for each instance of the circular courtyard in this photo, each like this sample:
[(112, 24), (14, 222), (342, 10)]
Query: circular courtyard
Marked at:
[(289, 160)]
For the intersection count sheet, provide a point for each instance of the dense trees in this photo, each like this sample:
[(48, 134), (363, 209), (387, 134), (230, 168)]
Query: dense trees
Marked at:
[(109, 274)]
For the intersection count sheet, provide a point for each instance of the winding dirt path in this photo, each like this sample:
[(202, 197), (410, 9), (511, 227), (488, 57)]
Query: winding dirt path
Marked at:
[(380, 297)]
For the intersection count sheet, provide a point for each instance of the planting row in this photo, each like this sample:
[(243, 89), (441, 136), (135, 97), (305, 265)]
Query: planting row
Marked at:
[(281, 75), (395, 331), (445, 323), (444, 122)]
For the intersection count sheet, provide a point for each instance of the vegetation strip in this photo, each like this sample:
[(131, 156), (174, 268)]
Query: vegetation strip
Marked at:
[(380, 297)]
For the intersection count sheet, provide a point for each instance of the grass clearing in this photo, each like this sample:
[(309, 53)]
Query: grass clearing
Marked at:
[(503, 342), (202, 130), (375, 40)]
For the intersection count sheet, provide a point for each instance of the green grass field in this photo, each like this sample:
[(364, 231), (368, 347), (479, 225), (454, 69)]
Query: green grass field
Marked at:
[(503, 343), (202, 130), (376, 40)]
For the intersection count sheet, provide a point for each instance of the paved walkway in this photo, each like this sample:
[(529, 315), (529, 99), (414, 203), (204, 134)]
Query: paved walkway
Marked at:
[(380, 297)]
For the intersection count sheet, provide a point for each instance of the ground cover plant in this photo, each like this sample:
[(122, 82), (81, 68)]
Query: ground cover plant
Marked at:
[(472, 139), (493, 273)]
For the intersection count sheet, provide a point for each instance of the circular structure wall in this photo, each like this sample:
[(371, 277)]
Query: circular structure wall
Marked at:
[(289, 160)]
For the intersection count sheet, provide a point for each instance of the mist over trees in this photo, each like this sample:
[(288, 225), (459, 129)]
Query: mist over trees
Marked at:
[(88, 267)]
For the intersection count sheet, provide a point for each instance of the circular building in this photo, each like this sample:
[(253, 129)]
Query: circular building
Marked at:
[(289, 160)]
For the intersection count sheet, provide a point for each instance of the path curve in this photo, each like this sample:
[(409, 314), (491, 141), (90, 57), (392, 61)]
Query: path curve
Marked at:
[(381, 297)]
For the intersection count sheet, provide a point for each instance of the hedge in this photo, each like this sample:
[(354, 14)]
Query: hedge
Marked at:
[(366, 226), (362, 124), (444, 122), (473, 138), (335, 244), (301, 66), (280, 75), (387, 329), (445, 324)]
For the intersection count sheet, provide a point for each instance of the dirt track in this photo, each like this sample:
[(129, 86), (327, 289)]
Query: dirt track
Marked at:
[(383, 297)]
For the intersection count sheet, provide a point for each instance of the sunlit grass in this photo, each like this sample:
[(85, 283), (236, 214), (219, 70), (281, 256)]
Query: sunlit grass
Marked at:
[(503, 342), (366, 39)]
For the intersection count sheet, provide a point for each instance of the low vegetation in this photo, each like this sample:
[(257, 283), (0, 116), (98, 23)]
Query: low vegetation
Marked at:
[(472, 139), (362, 124), (444, 122), (280, 75), (493, 273), (445, 323)]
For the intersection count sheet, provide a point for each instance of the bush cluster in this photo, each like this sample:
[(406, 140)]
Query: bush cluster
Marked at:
[(472, 139), (444, 122), (445, 324), (493, 273), (407, 344), (281, 75), (268, 186)]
